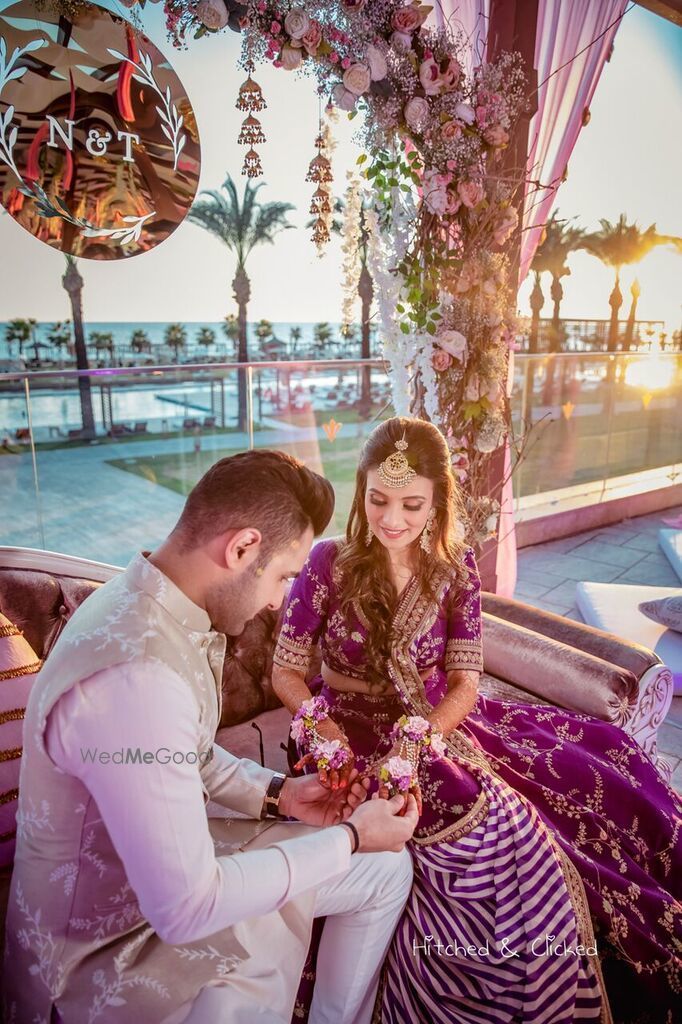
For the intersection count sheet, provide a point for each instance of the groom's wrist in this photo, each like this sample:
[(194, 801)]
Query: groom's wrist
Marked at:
[(276, 801)]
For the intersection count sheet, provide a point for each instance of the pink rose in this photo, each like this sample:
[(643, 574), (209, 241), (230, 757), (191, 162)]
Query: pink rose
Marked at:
[(429, 77), (416, 113), (453, 203), (356, 79), (353, 6), (342, 98), (313, 37), (471, 193), (378, 68), (410, 18), (275, 28), (290, 57), (450, 131), (496, 136), (435, 191), (440, 360), (401, 42), (297, 22), (452, 342), (212, 14)]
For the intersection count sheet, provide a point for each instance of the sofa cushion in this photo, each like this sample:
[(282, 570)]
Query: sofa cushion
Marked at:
[(18, 666), (40, 603), (555, 672), (666, 611), (670, 542)]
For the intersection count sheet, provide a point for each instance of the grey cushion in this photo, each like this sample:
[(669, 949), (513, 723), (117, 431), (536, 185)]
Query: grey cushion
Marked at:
[(667, 611)]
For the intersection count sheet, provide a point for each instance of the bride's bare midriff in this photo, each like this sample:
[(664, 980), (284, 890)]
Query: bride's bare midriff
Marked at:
[(348, 684)]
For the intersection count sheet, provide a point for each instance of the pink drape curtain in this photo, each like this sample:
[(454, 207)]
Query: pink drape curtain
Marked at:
[(567, 78), (564, 34)]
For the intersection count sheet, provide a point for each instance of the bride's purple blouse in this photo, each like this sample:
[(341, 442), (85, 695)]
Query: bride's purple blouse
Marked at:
[(450, 637)]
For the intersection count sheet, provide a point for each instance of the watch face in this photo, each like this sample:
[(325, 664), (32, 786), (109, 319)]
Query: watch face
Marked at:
[(99, 149)]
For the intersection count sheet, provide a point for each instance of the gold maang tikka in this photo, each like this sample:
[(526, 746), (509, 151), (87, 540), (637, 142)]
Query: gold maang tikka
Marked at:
[(395, 471)]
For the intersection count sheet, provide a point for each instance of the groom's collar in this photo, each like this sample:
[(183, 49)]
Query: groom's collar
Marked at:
[(145, 576)]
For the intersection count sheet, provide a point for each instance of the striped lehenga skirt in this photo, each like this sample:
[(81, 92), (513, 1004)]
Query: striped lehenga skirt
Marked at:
[(530, 889)]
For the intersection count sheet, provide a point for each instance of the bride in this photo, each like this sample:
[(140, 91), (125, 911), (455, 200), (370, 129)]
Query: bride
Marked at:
[(548, 846)]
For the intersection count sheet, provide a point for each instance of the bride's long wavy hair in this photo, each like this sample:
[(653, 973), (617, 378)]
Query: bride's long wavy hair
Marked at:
[(365, 584)]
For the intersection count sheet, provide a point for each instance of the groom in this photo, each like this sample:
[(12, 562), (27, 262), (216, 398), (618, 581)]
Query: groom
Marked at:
[(128, 903)]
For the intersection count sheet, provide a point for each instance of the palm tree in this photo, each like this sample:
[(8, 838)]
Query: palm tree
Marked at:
[(366, 295), (206, 337), (175, 336), (241, 224), (264, 333), (103, 342), (322, 335), (231, 329), (59, 334), (623, 244), (139, 342), (19, 331), (295, 335), (558, 241), (72, 282)]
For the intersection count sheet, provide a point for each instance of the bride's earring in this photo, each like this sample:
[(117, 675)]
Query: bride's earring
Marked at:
[(368, 536), (425, 538)]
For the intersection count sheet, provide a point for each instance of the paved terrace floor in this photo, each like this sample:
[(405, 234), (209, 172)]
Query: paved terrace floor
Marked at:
[(624, 553)]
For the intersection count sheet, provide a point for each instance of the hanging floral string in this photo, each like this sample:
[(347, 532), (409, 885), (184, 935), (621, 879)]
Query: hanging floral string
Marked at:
[(351, 231)]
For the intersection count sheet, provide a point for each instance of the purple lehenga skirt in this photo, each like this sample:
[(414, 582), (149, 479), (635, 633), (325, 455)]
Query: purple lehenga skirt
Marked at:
[(547, 868)]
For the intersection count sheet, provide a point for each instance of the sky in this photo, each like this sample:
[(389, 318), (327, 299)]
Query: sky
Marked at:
[(627, 160)]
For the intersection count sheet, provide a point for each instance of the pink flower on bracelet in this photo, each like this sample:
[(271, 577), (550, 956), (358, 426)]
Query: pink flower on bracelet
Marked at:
[(329, 754), (396, 773)]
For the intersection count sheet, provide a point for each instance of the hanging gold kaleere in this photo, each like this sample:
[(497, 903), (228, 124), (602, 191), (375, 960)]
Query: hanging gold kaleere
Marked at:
[(250, 100), (320, 173)]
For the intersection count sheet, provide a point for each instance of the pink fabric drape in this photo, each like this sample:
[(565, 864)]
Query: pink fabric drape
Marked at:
[(572, 43), (562, 50)]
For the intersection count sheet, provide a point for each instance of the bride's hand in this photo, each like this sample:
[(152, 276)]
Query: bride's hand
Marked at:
[(338, 778), (383, 792)]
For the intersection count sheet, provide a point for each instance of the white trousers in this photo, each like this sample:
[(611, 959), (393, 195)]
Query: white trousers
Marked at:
[(362, 908)]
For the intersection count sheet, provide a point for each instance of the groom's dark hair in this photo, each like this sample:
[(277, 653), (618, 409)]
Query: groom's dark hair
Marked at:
[(268, 490)]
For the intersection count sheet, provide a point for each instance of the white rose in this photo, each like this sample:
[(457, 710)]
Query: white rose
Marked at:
[(401, 42), (416, 113), (465, 112), (454, 343), (342, 98), (212, 14), (291, 57), (297, 23), (356, 79), (378, 67)]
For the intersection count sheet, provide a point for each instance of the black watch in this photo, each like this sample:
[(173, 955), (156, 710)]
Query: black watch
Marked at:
[(270, 807)]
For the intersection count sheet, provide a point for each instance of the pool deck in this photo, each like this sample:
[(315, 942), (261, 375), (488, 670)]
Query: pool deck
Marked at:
[(624, 553)]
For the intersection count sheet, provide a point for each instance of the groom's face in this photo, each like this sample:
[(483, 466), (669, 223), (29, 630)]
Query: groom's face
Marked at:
[(234, 602)]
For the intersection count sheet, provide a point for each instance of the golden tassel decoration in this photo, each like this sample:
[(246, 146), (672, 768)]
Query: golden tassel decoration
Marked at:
[(251, 100)]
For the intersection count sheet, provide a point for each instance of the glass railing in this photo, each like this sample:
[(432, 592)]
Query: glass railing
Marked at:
[(98, 464)]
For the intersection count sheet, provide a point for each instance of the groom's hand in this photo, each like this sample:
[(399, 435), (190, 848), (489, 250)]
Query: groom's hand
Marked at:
[(308, 800)]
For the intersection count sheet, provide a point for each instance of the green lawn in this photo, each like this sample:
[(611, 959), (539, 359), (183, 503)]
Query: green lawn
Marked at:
[(337, 460)]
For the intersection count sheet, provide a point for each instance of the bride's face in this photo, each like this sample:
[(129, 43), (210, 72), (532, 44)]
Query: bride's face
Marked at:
[(397, 515)]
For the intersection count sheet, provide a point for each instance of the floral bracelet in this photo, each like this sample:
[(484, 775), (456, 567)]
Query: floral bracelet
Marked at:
[(419, 738), (417, 731), (328, 755)]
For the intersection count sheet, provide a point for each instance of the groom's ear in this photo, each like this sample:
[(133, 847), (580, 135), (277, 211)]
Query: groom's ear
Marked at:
[(242, 548)]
